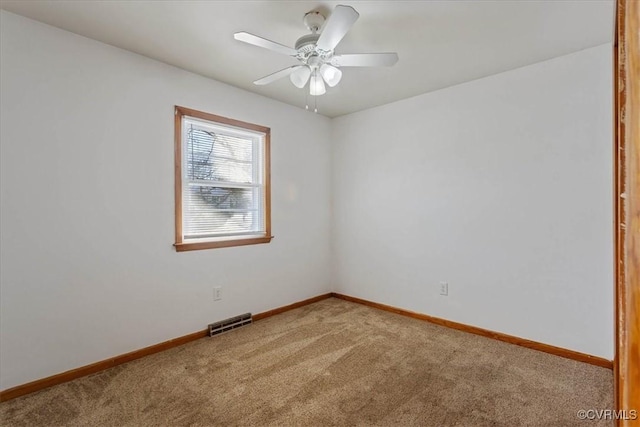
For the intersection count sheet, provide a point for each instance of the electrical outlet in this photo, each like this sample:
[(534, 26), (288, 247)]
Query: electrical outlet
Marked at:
[(444, 288), (217, 293)]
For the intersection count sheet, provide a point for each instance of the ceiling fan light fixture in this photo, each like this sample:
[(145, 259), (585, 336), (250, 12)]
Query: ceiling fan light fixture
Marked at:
[(316, 87), (330, 74), (300, 77)]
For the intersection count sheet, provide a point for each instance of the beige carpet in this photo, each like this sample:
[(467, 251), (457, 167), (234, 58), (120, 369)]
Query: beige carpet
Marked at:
[(329, 363)]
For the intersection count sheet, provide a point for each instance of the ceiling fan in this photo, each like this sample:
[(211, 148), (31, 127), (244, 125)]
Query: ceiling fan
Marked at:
[(316, 52)]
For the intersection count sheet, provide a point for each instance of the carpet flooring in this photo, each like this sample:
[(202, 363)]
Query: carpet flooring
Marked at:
[(329, 363)]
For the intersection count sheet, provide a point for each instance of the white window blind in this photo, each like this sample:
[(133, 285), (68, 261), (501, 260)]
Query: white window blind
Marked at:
[(223, 181)]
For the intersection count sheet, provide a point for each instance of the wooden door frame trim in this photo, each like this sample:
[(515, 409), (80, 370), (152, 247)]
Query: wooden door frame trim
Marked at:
[(626, 57)]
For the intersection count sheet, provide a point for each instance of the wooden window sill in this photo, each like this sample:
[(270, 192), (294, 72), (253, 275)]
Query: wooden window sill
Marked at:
[(196, 246)]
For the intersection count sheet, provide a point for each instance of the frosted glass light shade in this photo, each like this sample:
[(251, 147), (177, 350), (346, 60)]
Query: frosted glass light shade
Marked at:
[(316, 87), (300, 76), (330, 74)]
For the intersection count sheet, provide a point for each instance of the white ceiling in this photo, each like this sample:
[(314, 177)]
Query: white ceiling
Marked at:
[(440, 43)]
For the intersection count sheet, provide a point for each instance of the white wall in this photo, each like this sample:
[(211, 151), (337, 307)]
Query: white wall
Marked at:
[(87, 212), (502, 187)]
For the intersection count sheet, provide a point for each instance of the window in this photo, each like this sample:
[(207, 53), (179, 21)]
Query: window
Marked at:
[(222, 181)]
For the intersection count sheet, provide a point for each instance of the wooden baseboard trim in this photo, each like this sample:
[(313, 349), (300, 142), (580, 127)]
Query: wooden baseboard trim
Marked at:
[(82, 371), (546, 348), (265, 314), (73, 374), (33, 386)]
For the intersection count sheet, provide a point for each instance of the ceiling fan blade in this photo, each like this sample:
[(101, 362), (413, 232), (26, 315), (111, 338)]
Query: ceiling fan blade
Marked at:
[(277, 75), (365, 60), (264, 43), (339, 23)]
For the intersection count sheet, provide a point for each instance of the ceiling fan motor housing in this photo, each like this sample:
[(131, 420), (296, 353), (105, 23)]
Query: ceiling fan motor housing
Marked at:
[(307, 44)]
